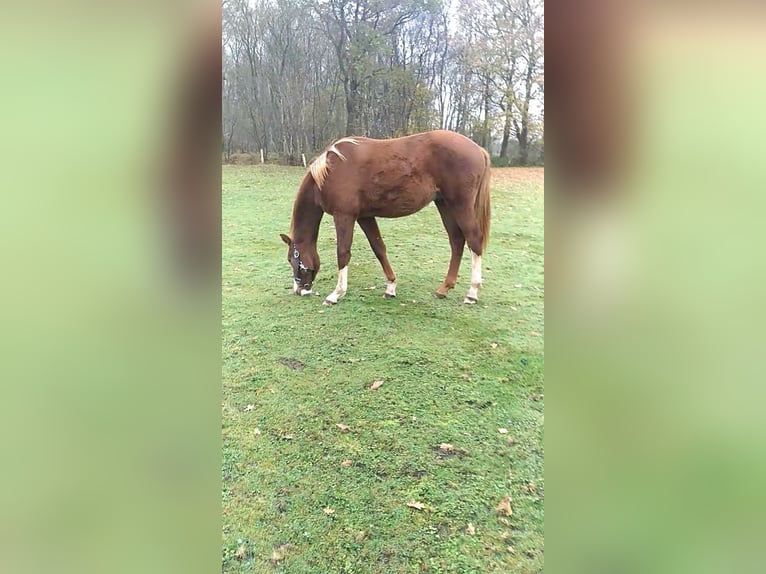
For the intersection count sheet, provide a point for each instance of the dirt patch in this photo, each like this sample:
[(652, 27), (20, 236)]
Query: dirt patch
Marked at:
[(293, 364), (509, 176)]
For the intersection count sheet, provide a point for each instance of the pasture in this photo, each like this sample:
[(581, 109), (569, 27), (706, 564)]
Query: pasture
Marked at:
[(318, 470)]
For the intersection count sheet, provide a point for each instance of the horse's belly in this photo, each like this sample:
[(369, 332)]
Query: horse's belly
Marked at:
[(397, 203)]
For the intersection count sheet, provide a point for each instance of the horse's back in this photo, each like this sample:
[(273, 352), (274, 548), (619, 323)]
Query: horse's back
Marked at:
[(399, 176)]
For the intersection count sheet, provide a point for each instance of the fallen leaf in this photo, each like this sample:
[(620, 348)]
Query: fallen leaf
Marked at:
[(328, 511), (510, 440), (494, 345), (375, 385), (513, 308), (343, 427), (502, 431), (249, 407), (416, 505), (256, 431), (240, 553), (288, 436), (346, 462), (277, 556), (536, 397), (470, 530), (446, 447), (505, 506)]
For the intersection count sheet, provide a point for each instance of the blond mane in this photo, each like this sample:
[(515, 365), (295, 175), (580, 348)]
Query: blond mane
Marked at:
[(319, 167)]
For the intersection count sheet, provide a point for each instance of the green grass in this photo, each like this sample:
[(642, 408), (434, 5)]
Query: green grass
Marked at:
[(451, 374)]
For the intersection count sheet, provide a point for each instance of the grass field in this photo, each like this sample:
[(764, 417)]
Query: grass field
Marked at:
[(302, 494)]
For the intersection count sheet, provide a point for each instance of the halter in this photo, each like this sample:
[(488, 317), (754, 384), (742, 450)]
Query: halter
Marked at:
[(302, 267)]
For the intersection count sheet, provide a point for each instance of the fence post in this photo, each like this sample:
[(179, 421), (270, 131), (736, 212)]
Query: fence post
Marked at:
[(261, 155), (303, 157)]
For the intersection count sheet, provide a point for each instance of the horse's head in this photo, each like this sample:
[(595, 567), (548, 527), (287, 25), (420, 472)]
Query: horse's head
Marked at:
[(304, 260)]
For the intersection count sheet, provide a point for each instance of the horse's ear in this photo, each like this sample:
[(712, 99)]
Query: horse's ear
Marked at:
[(285, 238)]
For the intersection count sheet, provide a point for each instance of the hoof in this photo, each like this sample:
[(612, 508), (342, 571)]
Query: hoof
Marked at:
[(328, 303), (470, 301), (389, 296), (440, 295)]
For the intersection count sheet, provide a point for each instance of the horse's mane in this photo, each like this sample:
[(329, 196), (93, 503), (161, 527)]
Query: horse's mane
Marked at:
[(319, 167)]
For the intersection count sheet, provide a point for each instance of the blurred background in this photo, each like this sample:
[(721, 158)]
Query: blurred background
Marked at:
[(110, 276), (109, 298), (654, 272)]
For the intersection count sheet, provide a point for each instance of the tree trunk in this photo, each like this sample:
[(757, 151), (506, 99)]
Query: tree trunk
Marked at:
[(506, 132), (353, 109), (523, 138), (485, 139)]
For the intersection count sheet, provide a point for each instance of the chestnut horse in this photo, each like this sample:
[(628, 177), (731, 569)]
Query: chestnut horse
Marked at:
[(358, 179)]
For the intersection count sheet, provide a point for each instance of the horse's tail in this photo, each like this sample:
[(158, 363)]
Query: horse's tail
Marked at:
[(481, 206)]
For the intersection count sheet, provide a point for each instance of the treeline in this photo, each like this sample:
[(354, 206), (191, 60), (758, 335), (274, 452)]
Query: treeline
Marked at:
[(300, 73)]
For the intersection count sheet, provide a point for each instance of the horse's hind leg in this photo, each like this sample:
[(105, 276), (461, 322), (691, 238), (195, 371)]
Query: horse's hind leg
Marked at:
[(457, 244), (466, 220), (370, 228)]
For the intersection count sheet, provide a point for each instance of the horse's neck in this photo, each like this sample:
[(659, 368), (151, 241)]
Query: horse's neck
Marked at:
[(306, 213)]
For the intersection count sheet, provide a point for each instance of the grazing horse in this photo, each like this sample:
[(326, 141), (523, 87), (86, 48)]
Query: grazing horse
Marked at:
[(358, 179)]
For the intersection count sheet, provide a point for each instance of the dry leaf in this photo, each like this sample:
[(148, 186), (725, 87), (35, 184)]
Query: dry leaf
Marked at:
[(536, 397), (375, 385), (505, 506), (328, 511), (502, 431), (346, 462), (343, 427), (249, 407), (277, 556), (256, 431), (470, 530), (416, 505), (446, 447), (494, 345), (240, 553), (288, 436)]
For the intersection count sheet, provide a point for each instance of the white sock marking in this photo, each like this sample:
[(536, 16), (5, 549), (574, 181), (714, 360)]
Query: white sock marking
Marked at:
[(296, 286), (340, 288), (391, 288), (473, 290)]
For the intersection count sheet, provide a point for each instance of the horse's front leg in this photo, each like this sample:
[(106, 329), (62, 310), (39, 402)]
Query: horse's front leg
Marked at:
[(344, 234), (370, 228)]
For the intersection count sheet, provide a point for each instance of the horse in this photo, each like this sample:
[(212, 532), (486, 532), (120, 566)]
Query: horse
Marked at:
[(357, 179)]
